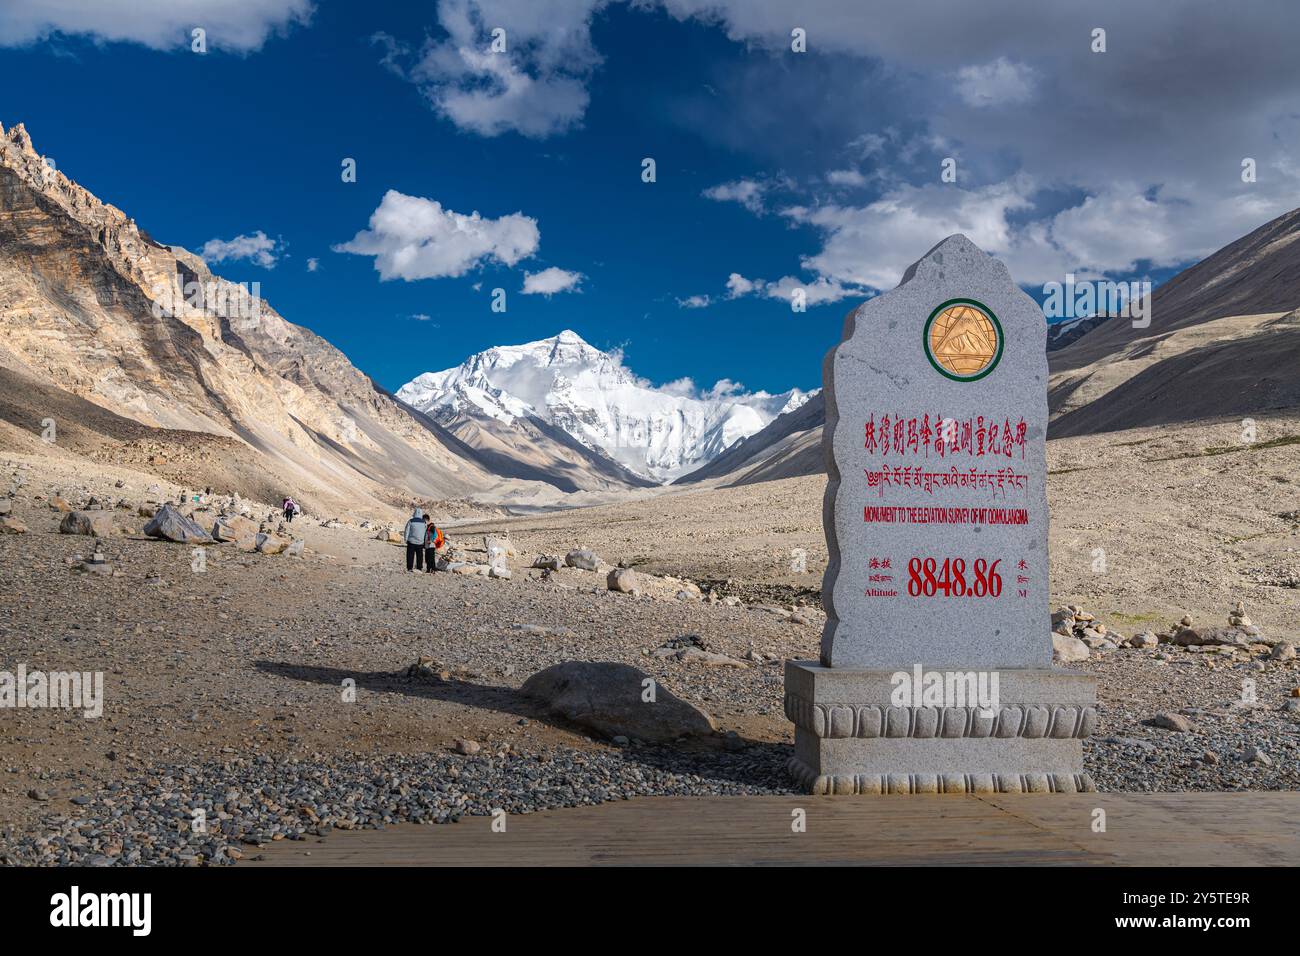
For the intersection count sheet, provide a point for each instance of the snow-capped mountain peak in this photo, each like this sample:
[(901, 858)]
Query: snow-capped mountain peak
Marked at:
[(568, 383)]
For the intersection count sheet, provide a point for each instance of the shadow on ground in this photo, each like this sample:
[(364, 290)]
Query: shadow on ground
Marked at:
[(741, 760)]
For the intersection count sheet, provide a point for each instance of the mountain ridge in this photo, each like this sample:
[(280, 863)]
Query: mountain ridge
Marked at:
[(92, 305)]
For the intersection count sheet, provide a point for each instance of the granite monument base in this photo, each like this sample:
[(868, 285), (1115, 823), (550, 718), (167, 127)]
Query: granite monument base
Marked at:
[(850, 738)]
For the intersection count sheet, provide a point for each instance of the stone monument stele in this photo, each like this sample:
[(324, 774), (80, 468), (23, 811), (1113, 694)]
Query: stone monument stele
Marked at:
[(936, 668)]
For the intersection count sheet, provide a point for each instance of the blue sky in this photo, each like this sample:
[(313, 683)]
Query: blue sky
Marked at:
[(775, 169)]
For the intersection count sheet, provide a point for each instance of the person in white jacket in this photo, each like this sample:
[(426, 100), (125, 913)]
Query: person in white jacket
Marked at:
[(414, 534)]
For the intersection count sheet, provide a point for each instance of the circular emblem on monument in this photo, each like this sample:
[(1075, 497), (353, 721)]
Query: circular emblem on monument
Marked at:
[(963, 339)]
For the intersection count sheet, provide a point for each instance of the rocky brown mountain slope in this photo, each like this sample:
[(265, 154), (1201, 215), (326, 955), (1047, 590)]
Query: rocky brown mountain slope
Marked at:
[(126, 343)]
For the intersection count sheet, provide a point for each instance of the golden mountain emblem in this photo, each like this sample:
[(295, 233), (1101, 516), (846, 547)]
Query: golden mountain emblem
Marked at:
[(963, 340)]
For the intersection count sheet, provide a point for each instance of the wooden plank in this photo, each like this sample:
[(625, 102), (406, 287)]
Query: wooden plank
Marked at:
[(1141, 829)]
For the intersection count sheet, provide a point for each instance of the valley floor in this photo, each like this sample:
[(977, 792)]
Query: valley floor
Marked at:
[(225, 689)]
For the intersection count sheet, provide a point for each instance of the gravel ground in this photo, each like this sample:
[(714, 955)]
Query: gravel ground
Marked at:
[(246, 803), (1222, 749)]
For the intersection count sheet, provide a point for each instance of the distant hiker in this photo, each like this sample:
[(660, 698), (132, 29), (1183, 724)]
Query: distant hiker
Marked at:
[(414, 535), (290, 509), (433, 540)]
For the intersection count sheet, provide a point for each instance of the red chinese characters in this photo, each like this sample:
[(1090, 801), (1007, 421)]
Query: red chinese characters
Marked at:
[(976, 436)]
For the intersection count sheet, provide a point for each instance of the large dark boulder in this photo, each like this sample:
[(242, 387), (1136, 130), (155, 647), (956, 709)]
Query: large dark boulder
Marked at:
[(611, 699), (170, 525)]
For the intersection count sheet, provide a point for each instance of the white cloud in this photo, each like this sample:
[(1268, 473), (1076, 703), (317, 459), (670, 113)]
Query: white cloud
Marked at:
[(738, 285), (550, 281), (695, 302), (536, 87), (257, 247), (1110, 232), (416, 238), (724, 388), (313, 264), (871, 245), (239, 26), (747, 192), (681, 387), (818, 292), (846, 177), (997, 83)]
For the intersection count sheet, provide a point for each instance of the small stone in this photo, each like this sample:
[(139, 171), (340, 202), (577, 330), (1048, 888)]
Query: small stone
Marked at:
[(625, 581), (1169, 720), (1257, 756), (1068, 649), (468, 747), (582, 558)]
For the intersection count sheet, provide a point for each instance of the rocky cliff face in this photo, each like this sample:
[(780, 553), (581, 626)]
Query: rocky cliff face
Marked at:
[(93, 306)]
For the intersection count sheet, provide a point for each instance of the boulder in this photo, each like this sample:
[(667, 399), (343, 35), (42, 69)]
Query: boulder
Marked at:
[(60, 504), (295, 549), (548, 562), (96, 523), (11, 525), (583, 558), (498, 571), (693, 655), (1202, 636), (1068, 649), (271, 543), (608, 698), (232, 528), (1282, 651), (1170, 721), (389, 536), (625, 581), (501, 543), (1145, 639), (170, 525)]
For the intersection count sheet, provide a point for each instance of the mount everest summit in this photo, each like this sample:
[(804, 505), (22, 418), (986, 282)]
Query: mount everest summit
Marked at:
[(563, 383)]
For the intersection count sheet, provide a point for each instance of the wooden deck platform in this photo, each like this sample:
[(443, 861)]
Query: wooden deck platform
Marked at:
[(1183, 829)]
